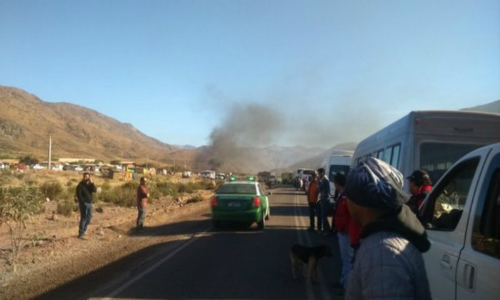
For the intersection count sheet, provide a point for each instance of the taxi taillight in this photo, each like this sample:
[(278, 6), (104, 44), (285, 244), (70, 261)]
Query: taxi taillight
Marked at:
[(256, 202), (213, 201)]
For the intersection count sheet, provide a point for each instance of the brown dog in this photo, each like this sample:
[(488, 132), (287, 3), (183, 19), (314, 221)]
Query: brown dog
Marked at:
[(302, 255)]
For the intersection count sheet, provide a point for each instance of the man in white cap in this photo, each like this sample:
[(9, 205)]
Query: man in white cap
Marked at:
[(388, 263)]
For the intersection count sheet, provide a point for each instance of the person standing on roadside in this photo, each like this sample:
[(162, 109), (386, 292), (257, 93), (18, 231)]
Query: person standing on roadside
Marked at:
[(348, 233), (84, 194), (324, 201), (388, 263), (420, 186), (312, 199), (142, 201)]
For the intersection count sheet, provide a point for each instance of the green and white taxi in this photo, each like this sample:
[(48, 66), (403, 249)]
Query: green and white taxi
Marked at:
[(240, 202)]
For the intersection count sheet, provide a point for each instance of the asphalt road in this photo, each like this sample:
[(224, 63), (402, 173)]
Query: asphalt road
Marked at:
[(227, 263)]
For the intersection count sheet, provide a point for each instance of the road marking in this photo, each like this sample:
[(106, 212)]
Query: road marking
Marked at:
[(156, 265)]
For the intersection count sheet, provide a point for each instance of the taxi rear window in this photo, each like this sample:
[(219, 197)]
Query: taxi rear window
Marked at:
[(237, 189)]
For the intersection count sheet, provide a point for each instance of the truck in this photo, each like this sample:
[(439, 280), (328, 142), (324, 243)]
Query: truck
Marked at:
[(462, 218)]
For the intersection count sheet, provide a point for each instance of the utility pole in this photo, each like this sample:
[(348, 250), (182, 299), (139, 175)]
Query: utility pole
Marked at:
[(50, 152)]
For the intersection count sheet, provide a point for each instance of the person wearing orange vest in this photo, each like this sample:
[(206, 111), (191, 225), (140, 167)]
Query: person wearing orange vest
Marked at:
[(312, 199)]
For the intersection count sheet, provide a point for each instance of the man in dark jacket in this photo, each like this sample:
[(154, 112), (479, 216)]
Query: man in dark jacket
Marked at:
[(84, 191), (388, 263), (142, 201), (324, 201)]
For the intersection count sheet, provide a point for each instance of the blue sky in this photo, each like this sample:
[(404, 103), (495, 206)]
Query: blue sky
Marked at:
[(175, 69)]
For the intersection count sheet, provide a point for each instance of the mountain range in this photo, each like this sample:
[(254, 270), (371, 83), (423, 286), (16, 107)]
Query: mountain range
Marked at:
[(26, 122)]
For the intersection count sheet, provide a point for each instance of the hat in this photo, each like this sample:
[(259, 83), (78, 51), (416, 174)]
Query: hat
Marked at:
[(376, 184), (418, 176)]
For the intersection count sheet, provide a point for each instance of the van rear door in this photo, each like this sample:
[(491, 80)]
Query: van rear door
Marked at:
[(479, 263)]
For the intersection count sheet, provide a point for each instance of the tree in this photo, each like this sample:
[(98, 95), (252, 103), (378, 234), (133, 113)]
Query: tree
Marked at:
[(28, 160), (115, 162)]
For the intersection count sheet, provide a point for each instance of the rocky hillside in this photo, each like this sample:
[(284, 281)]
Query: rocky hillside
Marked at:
[(26, 123)]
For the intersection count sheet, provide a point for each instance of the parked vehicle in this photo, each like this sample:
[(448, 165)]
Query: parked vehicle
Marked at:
[(240, 202), (186, 174), (208, 174), (430, 140), (462, 217), (337, 162), (220, 176)]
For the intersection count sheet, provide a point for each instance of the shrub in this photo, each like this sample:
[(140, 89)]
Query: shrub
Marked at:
[(105, 186), (124, 195), (167, 188), (51, 190), (69, 194), (66, 207), (17, 207), (195, 199), (69, 183)]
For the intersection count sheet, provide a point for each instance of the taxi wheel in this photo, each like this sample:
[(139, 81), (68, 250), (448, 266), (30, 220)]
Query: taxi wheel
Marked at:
[(262, 223), (268, 214)]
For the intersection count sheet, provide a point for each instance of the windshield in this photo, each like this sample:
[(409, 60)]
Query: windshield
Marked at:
[(436, 158), (237, 188), (334, 169)]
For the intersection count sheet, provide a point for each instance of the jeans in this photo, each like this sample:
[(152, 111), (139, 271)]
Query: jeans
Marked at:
[(85, 217), (325, 207), (140, 216), (315, 210), (346, 256)]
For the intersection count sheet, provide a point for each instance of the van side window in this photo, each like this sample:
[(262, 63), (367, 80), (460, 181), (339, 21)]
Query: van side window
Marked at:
[(380, 153), (395, 156), (443, 208), (391, 155), (486, 230)]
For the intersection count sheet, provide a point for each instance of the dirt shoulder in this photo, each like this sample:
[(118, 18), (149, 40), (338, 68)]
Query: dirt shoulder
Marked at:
[(56, 256)]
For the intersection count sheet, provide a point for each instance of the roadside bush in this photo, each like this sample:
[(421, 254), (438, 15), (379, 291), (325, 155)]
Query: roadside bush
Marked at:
[(69, 194), (51, 190), (185, 188), (6, 177), (69, 183), (123, 195), (105, 186), (66, 207), (167, 188), (20, 175), (17, 207), (195, 199)]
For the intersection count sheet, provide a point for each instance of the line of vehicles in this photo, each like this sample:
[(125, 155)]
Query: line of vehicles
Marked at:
[(461, 152)]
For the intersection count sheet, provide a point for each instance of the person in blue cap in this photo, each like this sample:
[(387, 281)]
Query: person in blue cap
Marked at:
[(388, 263)]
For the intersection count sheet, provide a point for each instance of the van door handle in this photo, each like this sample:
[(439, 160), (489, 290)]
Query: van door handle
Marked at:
[(445, 262), (446, 265), (469, 276)]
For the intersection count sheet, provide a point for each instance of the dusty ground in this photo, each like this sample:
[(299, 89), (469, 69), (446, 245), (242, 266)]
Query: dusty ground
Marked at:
[(57, 256)]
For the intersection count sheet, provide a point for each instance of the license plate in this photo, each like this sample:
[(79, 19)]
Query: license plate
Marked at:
[(234, 204)]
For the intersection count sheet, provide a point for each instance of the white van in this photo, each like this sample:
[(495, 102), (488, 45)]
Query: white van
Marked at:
[(208, 174), (462, 218), (337, 162), (430, 140)]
